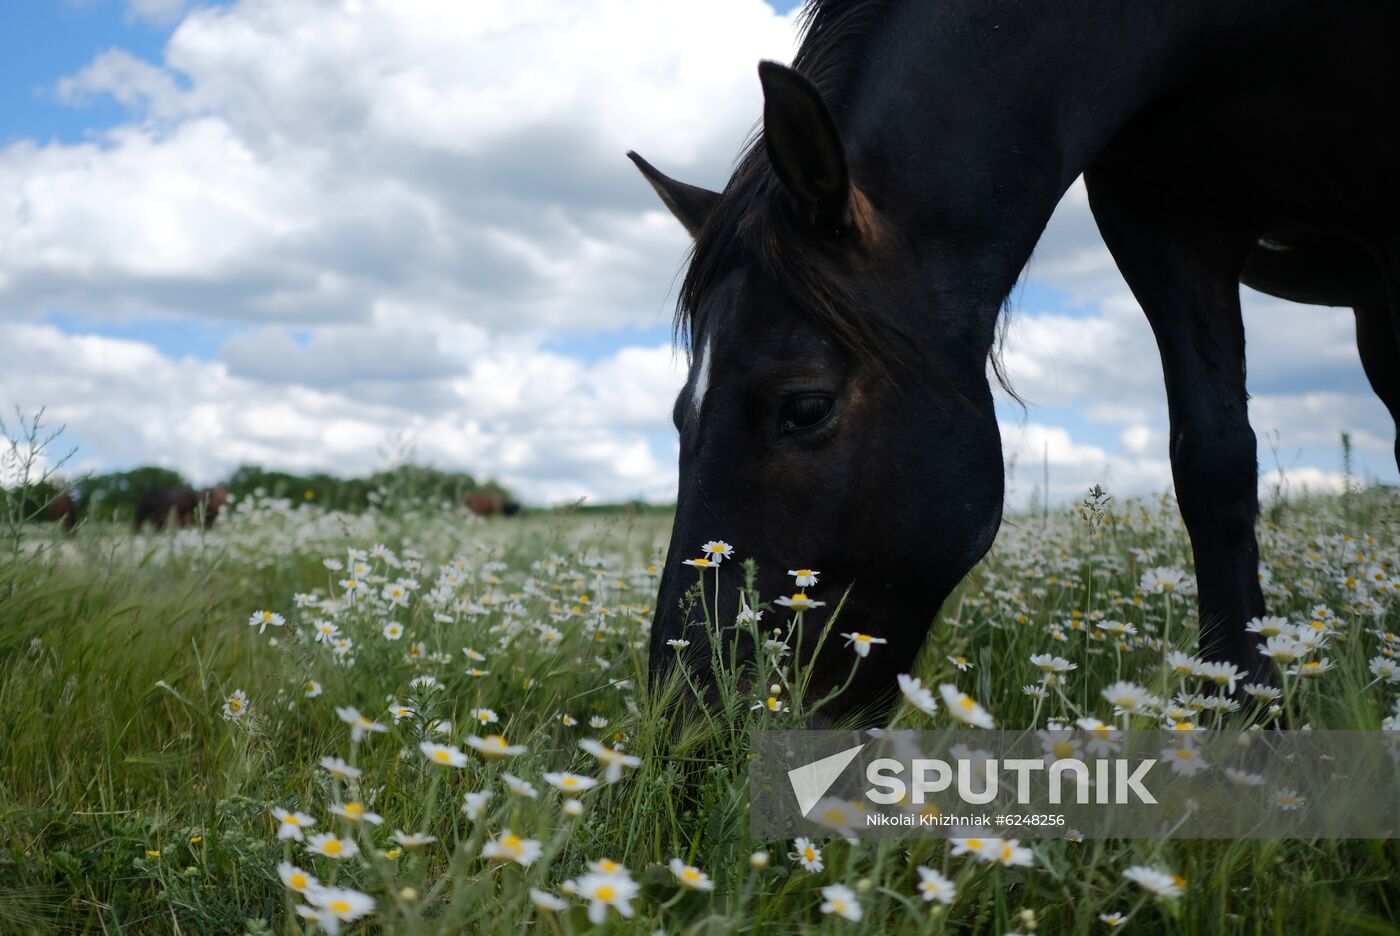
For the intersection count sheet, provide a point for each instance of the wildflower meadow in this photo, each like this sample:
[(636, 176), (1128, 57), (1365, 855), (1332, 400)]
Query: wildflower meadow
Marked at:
[(410, 720)]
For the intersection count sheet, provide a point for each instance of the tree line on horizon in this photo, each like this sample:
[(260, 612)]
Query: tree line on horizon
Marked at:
[(114, 496)]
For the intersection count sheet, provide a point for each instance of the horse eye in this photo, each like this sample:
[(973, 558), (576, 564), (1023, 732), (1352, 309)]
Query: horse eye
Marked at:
[(805, 411)]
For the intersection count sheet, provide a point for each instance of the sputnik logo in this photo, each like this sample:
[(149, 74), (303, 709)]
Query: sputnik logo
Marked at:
[(811, 781)]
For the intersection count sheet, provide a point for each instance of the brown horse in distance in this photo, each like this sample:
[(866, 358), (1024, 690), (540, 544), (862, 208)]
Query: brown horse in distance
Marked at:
[(180, 505), (490, 504), (63, 509)]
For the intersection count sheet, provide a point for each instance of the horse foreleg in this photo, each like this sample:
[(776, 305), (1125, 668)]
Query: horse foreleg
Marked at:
[(1378, 343), (1186, 278), (1378, 331)]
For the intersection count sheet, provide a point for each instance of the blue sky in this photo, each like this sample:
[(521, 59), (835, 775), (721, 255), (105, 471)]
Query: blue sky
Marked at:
[(45, 40), (294, 268)]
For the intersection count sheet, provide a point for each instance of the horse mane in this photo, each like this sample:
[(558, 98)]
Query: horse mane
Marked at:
[(753, 222)]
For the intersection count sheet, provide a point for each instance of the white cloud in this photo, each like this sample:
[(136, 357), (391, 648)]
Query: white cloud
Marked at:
[(1032, 448), (161, 11), (133, 82), (398, 202), (300, 161), (551, 427), (1299, 481)]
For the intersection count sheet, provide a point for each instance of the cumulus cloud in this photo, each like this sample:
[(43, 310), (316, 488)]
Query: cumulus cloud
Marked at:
[(399, 204), (1033, 450), (553, 427), (299, 161), (161, 11)]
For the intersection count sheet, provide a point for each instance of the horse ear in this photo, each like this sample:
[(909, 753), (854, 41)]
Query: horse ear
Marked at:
[(804, 146), (689, 203)]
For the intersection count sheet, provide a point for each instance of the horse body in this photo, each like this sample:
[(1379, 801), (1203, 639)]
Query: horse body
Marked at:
[(490, 504), (891, 205), (181, 506), (63, 509)]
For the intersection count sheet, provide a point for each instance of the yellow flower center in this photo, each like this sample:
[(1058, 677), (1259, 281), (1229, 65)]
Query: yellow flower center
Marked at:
[(690, 874), (333, 847), (569, 782), (291, 820), (441, 756), (355, 809), (1064, 749), (298, 881), (605, 893), (512, 842), (809, 853), (340, 906), (967, 703), (773, 702)]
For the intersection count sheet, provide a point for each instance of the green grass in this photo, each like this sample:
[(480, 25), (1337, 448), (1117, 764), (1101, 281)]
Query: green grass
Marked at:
[(118, 653)]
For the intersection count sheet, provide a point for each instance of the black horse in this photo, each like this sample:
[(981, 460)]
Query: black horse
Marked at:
[(843, 295)]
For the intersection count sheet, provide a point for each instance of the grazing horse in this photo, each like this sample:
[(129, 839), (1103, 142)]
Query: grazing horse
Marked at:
[(180, 504), (843, 295), (63, 509), (490, 504)]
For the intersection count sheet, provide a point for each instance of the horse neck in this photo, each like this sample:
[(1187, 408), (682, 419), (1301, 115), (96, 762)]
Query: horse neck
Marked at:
[(971, 118)]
